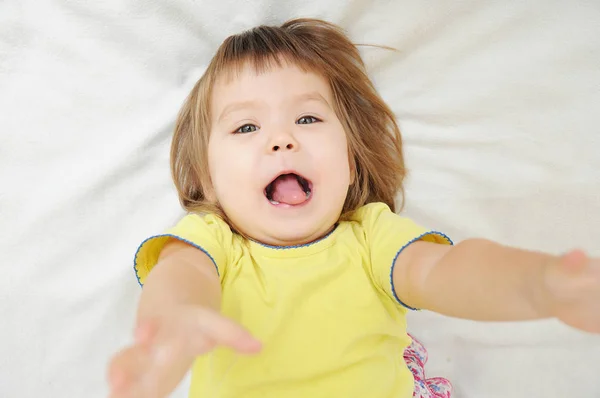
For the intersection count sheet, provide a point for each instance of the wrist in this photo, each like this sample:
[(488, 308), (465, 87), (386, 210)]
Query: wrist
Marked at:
[(543, 299)]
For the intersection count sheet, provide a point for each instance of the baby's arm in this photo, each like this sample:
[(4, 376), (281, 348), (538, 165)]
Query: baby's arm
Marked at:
[(183, 275), (481, 280), (178, 320)]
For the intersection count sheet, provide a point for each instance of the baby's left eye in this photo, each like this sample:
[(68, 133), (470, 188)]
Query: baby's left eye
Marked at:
[(307, 120)]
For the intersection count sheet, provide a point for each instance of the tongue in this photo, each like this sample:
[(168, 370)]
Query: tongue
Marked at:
[(287, 189)]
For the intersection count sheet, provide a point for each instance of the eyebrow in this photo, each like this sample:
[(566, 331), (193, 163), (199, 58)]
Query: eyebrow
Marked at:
[(236, 106), (311, 96)]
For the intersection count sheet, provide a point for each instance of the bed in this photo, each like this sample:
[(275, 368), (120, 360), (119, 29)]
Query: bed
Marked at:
[(499, 104)]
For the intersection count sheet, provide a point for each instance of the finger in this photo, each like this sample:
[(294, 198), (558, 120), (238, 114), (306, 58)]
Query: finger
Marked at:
[(574, 262), (172, 360), (150, 372), (131, 392), (222, 331), (180, 338), (127, 367), (200, 343), (146, 331)]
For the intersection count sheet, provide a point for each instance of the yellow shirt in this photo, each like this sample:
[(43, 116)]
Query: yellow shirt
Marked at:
[(326, 313)]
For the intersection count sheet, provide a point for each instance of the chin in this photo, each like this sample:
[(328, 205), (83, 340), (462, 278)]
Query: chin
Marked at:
[(290, 233), (285, 227)]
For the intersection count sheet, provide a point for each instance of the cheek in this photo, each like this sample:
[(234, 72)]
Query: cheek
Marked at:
[(230, 169), (219, 169), (344, 156), (334, 160)]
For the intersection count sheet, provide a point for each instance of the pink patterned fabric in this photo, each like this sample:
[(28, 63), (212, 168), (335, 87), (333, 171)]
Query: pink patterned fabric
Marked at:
[(415, 356)]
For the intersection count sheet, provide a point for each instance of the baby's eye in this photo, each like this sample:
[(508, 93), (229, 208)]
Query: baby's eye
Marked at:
[(246, 128), (307, 120)]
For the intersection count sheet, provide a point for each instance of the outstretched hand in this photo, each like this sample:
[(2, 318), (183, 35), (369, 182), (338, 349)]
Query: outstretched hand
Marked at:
[(573, 285), (165, 348)]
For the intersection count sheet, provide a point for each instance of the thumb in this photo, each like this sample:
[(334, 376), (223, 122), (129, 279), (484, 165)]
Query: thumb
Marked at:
[(206, 323), (574, 262)]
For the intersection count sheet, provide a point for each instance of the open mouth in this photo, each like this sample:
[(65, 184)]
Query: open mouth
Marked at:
[(289, 189)]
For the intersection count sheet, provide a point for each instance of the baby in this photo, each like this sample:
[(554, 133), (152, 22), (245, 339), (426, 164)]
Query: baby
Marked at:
[(292, 274)]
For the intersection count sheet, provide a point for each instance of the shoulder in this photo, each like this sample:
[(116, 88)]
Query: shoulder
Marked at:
[(199, 226), (369, 211), (208, 233), (377, 218), (387, 236)]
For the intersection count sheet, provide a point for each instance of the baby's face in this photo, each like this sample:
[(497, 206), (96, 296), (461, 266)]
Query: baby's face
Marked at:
[(278, 155)]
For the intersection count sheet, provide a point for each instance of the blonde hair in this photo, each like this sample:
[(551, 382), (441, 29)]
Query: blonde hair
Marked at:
[(374, 141)]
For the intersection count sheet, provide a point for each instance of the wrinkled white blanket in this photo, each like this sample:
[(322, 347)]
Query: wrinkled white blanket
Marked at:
[(499, 103)]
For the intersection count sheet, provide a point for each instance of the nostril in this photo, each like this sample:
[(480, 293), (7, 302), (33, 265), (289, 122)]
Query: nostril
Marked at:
[(276, 148)]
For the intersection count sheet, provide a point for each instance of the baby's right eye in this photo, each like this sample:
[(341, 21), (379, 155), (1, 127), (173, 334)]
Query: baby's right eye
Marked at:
[(246, 128)]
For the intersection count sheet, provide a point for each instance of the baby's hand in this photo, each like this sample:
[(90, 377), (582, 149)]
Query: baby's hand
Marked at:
[(573, 283), (166, 347)]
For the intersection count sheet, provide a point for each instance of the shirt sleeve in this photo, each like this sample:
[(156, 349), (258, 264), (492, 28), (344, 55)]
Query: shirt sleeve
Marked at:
[(387, 235), (208, 233)]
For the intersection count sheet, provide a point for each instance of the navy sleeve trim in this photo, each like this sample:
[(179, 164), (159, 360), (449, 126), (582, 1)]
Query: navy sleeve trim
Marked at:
[(135, 268), (400, 251)]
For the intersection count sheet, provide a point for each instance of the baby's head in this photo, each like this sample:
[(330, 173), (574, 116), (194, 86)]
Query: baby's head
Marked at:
[(285, 134)]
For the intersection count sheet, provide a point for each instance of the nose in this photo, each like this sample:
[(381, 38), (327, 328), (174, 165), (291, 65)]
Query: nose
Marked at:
[(288, 146), (282, 142)]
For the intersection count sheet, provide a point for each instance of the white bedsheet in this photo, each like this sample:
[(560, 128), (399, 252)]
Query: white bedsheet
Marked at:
[(499, 103)]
